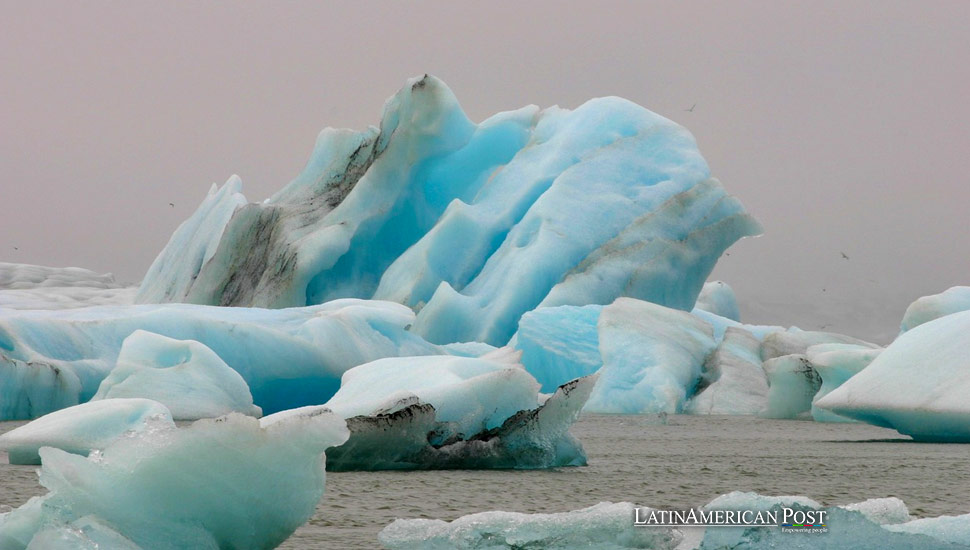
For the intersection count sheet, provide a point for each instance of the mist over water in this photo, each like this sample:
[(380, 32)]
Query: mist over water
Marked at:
[(686, 462)]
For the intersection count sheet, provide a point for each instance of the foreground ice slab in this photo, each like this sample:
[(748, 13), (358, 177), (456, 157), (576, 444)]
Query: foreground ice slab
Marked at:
[(289, 358), (605, 526), (451, 412), (82, 428), (927, 308), (184, 375), (223, 483), (438, 213), (875, 524), (917, 386)]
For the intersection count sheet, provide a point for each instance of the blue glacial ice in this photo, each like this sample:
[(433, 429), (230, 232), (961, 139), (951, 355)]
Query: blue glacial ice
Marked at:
[(934, 306), (184, 375), (559, 344), (718, 297), (83, 428), (918, 385), (454, 412), (605, 526), (472, 225), (174, 488), (653, 357), (875, 524), (674, 355), (733, 380), (288, 357)]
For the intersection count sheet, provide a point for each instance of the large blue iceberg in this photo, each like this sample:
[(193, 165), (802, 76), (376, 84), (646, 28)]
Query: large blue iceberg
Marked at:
[(472, 225)]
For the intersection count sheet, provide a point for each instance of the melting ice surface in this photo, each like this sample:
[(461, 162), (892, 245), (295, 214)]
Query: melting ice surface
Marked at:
[(288, 357), (454, 412), (184, 375), (918, 385), (224, 483), (472, 225), (83, 428), (873, 524)]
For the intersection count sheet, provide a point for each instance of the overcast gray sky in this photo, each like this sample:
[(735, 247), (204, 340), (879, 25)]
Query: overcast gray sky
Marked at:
[(842, 126)]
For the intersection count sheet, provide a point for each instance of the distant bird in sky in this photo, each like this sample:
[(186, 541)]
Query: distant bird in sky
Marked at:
[(844, 256), (15, 248), (823, 290), (691, 110), (823, 327), (172, 204)]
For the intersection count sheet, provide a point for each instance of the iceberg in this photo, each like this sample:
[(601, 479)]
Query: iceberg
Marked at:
[(718, 297), (653, 357), (82, 428), (918, 385), (927, 308), (454, 412), (836, 363), (733, 380), (25, 286), (559, 344), (438, 213), (605, 526), (288, 357), (218, 483), (792, 384), (184, 375)]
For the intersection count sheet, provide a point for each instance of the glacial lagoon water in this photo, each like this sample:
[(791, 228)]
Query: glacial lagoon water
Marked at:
[(675, 462)]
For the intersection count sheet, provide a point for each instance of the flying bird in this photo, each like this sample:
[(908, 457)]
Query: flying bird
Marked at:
[(691, 110), (15, 248), (844, 256), (172, 204)]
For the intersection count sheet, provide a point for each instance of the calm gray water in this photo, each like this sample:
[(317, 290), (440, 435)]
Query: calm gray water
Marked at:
[(686, 462)]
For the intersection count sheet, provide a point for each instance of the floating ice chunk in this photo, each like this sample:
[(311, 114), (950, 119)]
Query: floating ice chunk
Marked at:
[(289, 358), (24, 286), (795, 341), (918, 385), (87, 533), (927, 308), (717, 297), (792, 383), (741, 500), (470, 394), (721, 324), (652, 357), (222, 483), (408, 435), (438, 213), (184, 375), (26, 276), (951, 529), (733, 380), (605, 526), (559, 344), (836, 363), (884, 511), (83, 428)]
